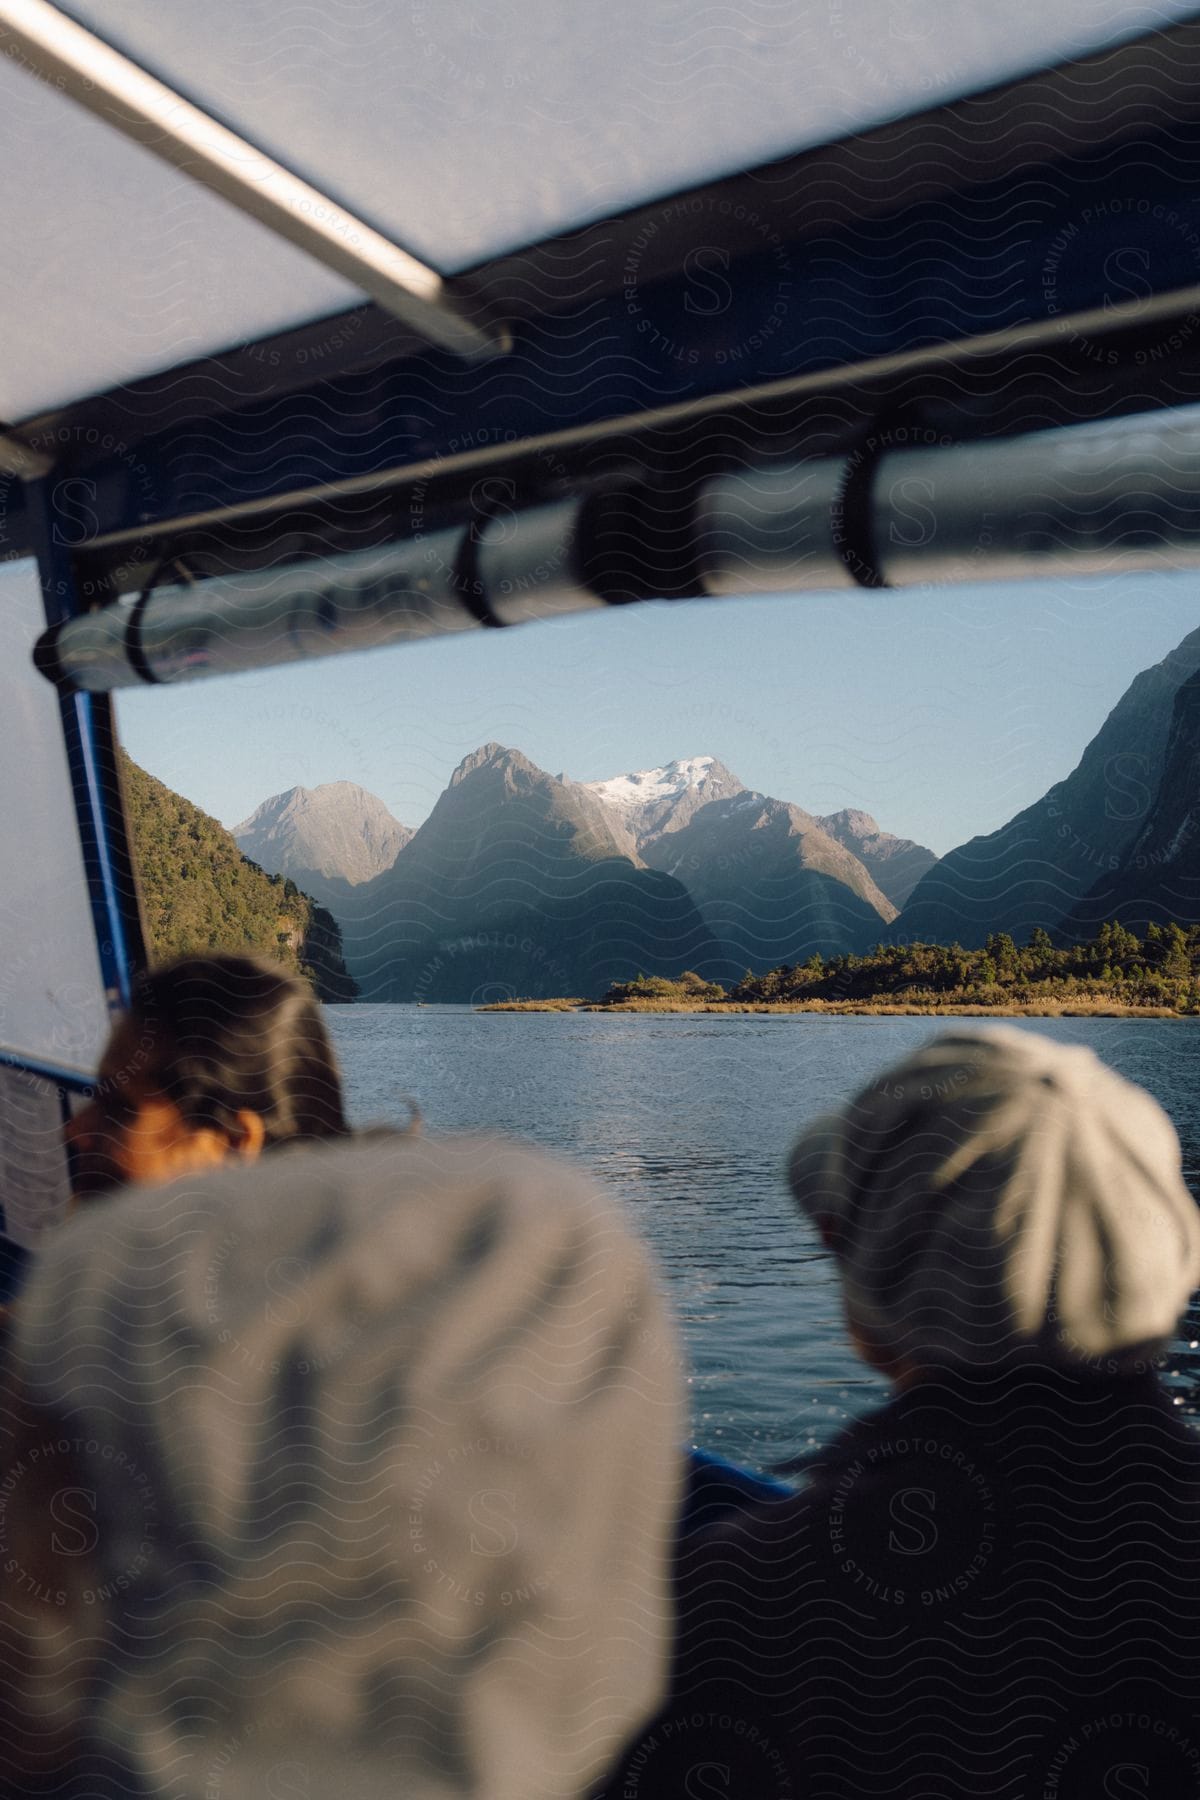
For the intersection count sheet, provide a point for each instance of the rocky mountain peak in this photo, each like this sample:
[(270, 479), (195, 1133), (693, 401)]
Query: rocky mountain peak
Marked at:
[(896, 864), (853, 822), (497, 757), (335, 831)]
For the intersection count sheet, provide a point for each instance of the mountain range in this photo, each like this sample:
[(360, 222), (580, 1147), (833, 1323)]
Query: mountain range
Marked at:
[(523, 882), (517, 883)]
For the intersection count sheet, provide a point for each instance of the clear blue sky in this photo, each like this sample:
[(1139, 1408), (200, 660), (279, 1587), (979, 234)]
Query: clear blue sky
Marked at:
[(940, 711)]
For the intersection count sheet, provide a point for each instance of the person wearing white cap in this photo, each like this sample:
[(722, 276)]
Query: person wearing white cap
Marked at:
[(991, 1585), (351, 1473), (999, 1197)]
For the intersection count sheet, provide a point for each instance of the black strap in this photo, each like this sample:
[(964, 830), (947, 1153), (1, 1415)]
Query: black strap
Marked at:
[(902, 423), (851, 519), (465, 579), (135, 651), (47, 662)]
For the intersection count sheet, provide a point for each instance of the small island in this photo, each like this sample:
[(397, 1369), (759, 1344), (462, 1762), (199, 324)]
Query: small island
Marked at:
[(1116, 974)]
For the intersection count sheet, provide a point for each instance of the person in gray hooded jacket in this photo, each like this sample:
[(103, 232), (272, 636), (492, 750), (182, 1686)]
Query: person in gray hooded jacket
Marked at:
[(989, 1586), (351, 1473)]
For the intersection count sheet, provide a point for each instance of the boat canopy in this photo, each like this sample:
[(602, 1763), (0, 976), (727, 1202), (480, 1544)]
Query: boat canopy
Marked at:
[(456, 135), (325, 328)]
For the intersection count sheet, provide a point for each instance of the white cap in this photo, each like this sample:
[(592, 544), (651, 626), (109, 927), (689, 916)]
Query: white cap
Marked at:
[(998, 1193)]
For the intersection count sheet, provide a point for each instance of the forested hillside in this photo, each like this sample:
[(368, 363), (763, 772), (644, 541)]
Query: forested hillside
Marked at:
[(200, 893)]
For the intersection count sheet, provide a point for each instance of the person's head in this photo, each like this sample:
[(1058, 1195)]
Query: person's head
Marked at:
[(218, 1057), (1000, 1198), (355, 1472)]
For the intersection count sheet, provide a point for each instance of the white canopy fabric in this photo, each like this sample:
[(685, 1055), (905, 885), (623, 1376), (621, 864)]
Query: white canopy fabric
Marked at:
[(470, 127), (52, 1004), (460, 128), (116, 265)]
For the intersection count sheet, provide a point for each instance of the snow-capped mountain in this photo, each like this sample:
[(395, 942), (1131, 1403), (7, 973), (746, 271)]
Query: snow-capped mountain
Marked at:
[(652, 802), (522, 882), (518, 883), (771, 884)]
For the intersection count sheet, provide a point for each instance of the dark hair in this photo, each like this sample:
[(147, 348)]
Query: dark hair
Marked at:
[(223, 1034)]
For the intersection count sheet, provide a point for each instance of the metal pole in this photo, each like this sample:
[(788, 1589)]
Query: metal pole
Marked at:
[(40, 38)]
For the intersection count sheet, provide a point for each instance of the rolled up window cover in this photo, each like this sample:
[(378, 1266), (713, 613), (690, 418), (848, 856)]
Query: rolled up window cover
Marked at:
[(907, 506)]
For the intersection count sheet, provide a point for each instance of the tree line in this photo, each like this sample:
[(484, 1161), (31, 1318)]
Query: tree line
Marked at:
[(1159, 969)]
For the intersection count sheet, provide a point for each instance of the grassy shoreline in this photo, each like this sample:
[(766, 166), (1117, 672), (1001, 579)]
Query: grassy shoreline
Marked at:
[(1116, 975), (1051, 1009)]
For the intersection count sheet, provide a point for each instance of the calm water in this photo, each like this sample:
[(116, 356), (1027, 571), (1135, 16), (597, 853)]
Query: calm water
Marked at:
[(689, 1120)]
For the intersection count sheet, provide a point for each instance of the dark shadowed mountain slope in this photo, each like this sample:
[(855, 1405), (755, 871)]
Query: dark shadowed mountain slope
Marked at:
[(517, 884), (772, 886), (895, 864), (1158, 881), (326, 838), (1043, 863)]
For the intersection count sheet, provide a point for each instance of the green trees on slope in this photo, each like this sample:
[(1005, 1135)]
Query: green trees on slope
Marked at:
[(688, 986), (1161, 969), (199, 892)]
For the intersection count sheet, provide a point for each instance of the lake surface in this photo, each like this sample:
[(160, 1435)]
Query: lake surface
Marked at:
[(689, 1118)]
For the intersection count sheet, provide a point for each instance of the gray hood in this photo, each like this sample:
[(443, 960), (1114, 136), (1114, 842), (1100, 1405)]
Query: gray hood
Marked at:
[(375, 1470)]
